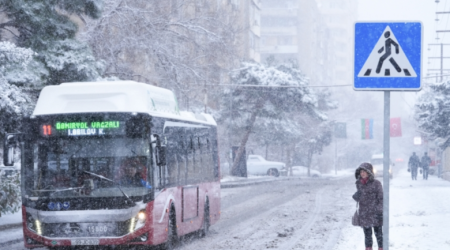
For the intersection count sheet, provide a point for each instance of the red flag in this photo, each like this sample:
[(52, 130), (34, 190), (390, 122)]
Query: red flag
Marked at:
[(396, 127)]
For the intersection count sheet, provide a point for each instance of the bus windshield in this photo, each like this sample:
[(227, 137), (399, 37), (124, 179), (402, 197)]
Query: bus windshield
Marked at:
[(74, 167)]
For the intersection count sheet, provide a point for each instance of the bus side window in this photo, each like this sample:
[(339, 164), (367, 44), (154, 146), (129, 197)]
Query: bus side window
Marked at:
[(176, 157), (204, 164), (200, 161), (190, 162), (182, 156), (172, 167), (215, 161)]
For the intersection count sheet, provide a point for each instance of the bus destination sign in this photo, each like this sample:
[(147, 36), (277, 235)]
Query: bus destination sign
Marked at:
[(83, 128)]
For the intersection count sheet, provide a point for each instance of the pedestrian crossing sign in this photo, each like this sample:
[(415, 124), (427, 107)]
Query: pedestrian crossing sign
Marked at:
[(388, 56)]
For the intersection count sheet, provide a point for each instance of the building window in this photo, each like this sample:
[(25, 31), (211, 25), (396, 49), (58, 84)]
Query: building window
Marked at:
[(336, 4), (287, 40), (278, 21)]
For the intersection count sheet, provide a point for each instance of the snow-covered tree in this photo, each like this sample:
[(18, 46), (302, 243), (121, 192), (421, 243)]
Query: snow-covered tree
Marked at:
[(433, 110), (265, 92), (180, 45), (318, 133), (14, 103), (45, 26), (270, 132)]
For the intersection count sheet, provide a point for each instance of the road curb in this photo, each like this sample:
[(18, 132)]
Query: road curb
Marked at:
[(10, 226), (245, 183)]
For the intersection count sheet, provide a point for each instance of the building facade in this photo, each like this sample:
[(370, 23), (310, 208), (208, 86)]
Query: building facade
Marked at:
[(295, 30), (340, 16)]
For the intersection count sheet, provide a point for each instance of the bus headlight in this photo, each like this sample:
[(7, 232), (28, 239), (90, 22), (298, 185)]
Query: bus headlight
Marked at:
[(141, 216), (138, 221)]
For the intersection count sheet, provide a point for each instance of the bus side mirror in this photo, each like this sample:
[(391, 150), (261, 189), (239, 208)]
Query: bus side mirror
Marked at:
[(160, 155), (160, 151), (9, 147)]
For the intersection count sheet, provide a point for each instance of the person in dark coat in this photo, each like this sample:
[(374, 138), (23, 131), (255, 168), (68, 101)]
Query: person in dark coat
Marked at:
[(413, 164), (425, 162), (369, 195)]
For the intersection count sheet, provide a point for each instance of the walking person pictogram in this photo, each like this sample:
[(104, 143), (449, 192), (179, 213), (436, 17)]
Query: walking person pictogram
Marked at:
[(388, 46)]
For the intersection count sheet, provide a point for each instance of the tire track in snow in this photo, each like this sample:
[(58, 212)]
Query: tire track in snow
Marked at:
[(308, 225), (335, 234)]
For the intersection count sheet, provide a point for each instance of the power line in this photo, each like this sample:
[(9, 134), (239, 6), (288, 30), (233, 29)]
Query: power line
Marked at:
[(274, 86)]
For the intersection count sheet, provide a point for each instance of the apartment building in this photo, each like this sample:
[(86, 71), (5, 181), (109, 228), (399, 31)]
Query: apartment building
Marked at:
[(295, 30), (340, 16), (251, 30)]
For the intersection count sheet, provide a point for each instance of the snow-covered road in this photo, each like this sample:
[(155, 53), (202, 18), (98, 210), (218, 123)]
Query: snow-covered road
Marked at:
[(316, 214), (297, 214)]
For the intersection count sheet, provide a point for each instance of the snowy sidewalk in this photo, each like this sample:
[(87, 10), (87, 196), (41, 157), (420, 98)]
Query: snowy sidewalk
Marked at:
[(419, 216), (8, 220), (233, 182)]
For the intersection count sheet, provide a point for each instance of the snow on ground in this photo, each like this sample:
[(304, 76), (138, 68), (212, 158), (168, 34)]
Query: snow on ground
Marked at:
[(9, 218), (229, 178), (302, 213), (12, 234), (419, 216), (340, 173)]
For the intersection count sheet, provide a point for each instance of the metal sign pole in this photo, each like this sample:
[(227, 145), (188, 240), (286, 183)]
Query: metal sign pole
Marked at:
[(386, 164)]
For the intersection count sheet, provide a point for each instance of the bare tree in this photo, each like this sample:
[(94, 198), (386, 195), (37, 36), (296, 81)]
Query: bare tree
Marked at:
[(180, 45)]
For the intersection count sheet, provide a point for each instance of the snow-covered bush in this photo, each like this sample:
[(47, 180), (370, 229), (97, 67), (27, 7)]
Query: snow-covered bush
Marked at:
[(10, 200)]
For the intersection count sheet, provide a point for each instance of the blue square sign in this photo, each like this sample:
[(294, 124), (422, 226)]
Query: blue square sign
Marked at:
[(388, 56)]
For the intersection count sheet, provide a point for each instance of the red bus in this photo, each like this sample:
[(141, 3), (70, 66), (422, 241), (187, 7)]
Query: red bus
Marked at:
[(115, 163)]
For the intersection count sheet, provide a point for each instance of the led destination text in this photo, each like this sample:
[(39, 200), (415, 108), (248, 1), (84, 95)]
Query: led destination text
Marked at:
[(87, 131), (87, 128), (83, 125)]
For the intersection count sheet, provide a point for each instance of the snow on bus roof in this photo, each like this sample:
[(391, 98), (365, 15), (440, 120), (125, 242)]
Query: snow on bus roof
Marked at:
[(113, 96)]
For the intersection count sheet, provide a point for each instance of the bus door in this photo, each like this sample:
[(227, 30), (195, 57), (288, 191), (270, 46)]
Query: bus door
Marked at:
[(190, 189), (180, 161)]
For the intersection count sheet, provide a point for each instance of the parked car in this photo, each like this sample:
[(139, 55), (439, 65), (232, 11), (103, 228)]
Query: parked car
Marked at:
[(303, 171), (257, 165), (378, 167)]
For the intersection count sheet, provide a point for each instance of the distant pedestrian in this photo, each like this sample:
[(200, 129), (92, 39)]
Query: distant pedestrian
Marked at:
[(413, 165), (425, 162), (369, 194)]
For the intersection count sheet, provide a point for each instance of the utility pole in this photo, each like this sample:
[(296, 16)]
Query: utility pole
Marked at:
[(441, 70), (441, 58)]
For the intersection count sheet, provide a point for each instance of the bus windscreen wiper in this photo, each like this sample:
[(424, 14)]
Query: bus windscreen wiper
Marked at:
[(52, 191), (115, 183)]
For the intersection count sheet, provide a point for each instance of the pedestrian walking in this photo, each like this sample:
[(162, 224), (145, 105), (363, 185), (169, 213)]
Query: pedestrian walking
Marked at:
[(413, 165), (369, 195), (425, 162)]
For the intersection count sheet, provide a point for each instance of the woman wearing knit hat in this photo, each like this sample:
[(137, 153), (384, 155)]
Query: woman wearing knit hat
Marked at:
[(369, 195)]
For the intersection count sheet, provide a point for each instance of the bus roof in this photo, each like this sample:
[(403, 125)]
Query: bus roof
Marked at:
[(113, 96)]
